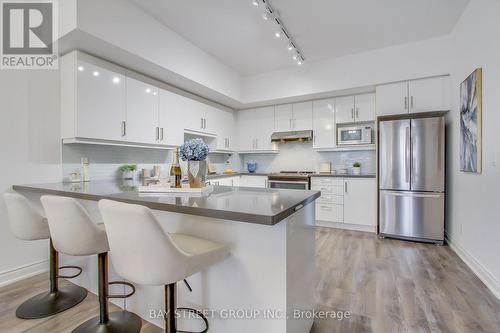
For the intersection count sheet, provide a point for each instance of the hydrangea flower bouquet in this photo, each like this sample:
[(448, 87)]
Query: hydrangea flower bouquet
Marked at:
[(195, 152)]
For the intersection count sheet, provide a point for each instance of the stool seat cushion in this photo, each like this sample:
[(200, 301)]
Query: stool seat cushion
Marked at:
[(201, 252), (25, 222)]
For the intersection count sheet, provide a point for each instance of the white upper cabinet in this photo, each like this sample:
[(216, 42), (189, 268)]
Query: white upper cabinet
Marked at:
[(225, 130), (344, 107), (293, 117), (263, 125), (302, 116), (364, 107), (246, 134), (430, 94), (254, 128), (351, 109), (171, 129), (324, 123), (92, 99), (360, 201), (423, 95), (142, 112), (283, 117), (392, 98)]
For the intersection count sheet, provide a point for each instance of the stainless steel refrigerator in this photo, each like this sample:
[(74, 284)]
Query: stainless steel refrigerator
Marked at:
[(412, 178)]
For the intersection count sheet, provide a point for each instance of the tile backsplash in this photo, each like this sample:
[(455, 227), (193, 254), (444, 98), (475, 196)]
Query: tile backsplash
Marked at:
[(297, 156), (105, 160)]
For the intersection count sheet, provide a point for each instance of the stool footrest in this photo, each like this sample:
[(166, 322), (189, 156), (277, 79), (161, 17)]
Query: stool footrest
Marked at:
[(128, 284), (199, 314), (80, 270)]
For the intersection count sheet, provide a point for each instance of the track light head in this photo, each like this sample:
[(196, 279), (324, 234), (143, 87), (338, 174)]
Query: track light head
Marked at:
[(255, 3), (277, 34)]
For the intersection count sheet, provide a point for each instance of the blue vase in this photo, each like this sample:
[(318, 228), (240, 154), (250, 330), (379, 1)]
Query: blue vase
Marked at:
[(251, 167)]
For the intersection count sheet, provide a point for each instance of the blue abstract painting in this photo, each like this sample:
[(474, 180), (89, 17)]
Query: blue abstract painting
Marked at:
[(470, 122)]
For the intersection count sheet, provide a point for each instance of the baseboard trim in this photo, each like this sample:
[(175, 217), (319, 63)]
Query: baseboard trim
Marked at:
[(481, 272), (23, 272), (346, 226)]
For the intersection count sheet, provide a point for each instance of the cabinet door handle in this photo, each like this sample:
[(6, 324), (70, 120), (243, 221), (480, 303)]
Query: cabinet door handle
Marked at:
[(406, 103), (124, 128), (161, 134), (357, 113), (345, 187), (411, 102), (201, 126), (352, 113), (157, 133), (290, 123)]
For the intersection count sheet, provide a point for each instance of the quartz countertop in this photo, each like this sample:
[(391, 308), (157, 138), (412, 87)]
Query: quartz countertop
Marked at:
[(236, 174), (253, 205), (342, 176)]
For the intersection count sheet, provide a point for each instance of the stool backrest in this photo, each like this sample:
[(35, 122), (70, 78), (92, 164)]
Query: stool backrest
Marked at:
[(72, 230), (140, 250), (25, 222)]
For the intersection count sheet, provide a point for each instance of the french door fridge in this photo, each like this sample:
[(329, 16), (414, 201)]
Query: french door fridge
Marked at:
[(412, 178)]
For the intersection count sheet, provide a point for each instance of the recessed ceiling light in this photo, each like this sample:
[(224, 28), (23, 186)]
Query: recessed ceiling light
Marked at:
[(299, 62), (116, 79), (81, 69), (148, 90), (95, 73), (290, 46), (295, 56), (155, 93), (277, 34), (255, 2)]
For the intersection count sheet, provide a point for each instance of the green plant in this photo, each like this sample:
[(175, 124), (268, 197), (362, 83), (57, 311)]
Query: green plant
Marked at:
[(356, 165), (128, 168)]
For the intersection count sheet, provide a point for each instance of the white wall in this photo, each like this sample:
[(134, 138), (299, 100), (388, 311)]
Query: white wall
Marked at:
[(474, 201), (29, 153), (123, 25), (396, 63)]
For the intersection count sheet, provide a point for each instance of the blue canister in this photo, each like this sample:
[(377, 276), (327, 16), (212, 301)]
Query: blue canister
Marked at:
[(251, 167)]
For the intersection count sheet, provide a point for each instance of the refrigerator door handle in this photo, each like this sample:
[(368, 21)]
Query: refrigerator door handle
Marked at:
[(413, 194), (407, 155)]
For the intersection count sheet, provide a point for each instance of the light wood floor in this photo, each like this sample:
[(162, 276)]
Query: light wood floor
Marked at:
[(387, 286)]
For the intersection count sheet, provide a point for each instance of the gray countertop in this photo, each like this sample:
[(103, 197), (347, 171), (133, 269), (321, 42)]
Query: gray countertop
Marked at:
[(342, 176), (227, 175), (252, 205)]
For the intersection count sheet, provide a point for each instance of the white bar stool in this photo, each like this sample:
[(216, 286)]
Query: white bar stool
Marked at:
[(74, 233), (27, 224), (143, 253)]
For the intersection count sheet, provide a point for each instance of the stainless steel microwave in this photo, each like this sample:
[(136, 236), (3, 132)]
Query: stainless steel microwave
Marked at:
[(355, 135)]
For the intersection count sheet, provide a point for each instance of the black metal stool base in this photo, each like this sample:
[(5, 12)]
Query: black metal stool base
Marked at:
[(119, 322), (48, 304), (199, 314)]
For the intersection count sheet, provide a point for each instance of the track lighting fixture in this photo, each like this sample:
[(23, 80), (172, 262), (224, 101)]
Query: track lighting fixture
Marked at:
[(271, 13)]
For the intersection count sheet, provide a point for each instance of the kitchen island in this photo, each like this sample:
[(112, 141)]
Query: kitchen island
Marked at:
[(265, 285)]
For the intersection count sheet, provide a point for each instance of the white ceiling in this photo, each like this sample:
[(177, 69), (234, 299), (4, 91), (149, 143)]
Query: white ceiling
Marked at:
[(234, 32)]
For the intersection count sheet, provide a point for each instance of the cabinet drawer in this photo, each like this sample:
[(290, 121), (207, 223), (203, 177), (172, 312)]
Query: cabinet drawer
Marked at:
[(331, 198), (329, 212), (321, 181), (324, 189)]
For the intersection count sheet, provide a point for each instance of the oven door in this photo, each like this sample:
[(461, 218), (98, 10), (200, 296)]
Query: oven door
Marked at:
[(288, 184)]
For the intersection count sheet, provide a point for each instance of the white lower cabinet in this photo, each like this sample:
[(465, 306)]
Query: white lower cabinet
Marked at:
[(346, 201), (360, 201), (253, 181)]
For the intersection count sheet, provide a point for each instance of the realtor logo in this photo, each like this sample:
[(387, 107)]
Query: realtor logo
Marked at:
[(28, 34)]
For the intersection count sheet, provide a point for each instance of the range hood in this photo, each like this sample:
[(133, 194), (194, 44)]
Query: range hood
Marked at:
[(291, 136)]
